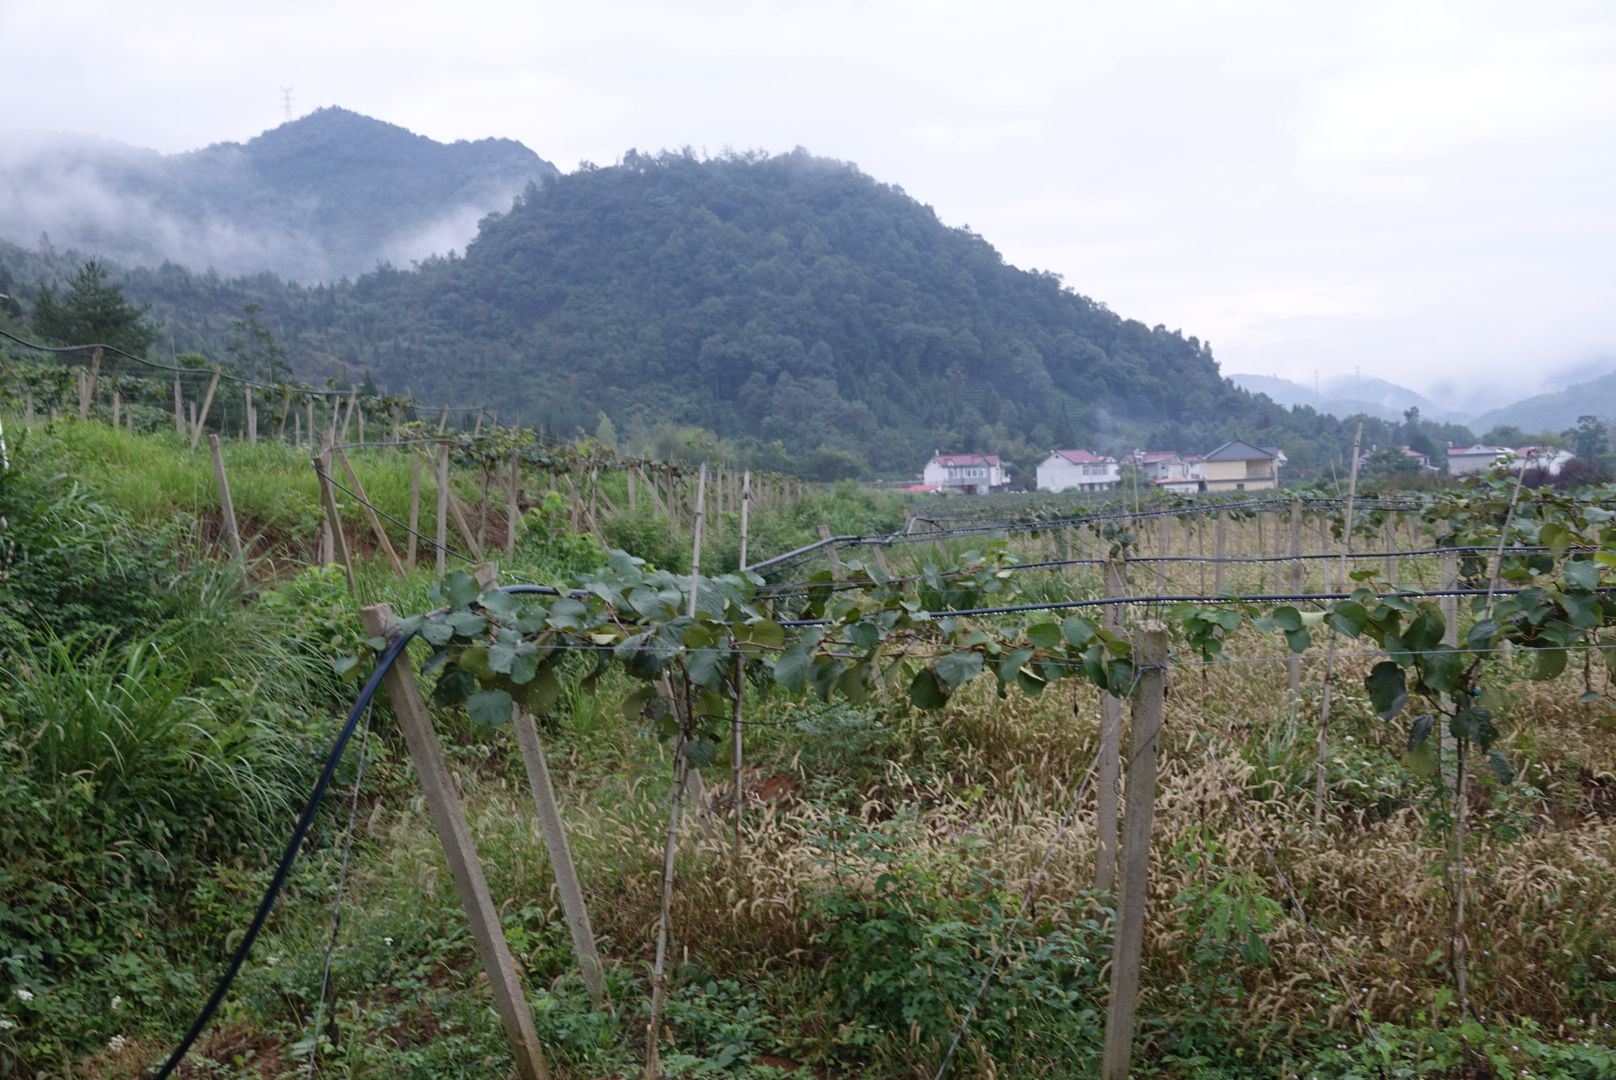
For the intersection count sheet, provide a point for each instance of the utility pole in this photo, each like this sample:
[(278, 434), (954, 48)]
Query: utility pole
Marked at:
[(286, 102)]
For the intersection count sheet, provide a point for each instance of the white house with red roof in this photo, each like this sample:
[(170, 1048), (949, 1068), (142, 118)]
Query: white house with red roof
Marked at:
[(1078, 470), (965, 474)]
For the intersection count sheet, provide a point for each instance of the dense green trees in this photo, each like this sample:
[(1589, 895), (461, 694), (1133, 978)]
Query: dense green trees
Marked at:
[(93, 311), (811, 318)]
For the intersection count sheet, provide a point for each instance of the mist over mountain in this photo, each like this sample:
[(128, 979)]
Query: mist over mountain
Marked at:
[(819, 320), (323, 197), (1354, 395)]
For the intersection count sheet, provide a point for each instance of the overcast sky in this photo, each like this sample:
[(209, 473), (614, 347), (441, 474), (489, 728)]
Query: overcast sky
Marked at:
[(1420, 190)]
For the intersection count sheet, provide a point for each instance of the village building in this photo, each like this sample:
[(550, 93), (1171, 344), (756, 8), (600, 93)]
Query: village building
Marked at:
[(964, 474), (1240, 466), (1078, 470), (1551, 459)]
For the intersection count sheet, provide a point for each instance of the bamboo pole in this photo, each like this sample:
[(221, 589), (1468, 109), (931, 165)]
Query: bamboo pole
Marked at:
[(1321, 766), (1220, 546), (1293, 663), (370, 512), (251, 414), (695, 554), (1150, 652), (286, 408), (227, 505), (449, 820), (117, 408), (746, 512)]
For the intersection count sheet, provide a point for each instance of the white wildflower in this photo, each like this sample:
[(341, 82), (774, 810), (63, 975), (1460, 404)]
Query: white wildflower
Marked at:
[(117, 1001), (115, 1043), (7, 1023), (24, 995)]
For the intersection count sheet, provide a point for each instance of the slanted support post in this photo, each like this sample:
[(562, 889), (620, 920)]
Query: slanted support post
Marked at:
[(449, 819), (227, 506)]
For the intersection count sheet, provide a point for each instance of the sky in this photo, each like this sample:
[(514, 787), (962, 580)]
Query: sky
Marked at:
[(1420, 191)]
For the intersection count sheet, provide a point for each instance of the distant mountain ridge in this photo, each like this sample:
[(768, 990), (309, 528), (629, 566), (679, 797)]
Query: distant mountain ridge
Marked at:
[(1349, 395), (326, 196), (1556, 411)]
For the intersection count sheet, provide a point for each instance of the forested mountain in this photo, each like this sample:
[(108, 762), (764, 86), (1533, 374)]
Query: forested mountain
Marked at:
[(322, 197), (814, 317)]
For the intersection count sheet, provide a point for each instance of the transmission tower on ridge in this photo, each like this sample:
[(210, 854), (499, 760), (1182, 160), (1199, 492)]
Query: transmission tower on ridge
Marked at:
[(286, 102)]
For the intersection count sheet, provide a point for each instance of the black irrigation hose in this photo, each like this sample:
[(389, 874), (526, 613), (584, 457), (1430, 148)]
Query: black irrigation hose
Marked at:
[(284, 868)]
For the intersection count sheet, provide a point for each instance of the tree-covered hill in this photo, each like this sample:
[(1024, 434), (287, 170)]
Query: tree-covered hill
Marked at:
[(790, 304), (325, 196)]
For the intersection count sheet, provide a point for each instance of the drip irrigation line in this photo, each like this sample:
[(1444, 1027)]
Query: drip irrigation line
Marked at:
[(283, 869)]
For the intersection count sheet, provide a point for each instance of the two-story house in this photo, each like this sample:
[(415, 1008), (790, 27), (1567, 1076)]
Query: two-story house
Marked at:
[(1474, 459), (1078, 470), (1239, 466), (964, 474)]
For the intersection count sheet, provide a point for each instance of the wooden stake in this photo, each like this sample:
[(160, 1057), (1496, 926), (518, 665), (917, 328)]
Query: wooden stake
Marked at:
[(555, 842), (252, 415), (227, 505), (415, 508), (179, 409), (117, 408), (1220, 541), (1150, 653), (95, 374), (322, 469), (286, 408), (443, 511), (370, 512), (84, 394), (633, 492), (207, 404), (310, 426), (449, 819), (511, 501), (347, 415), (1108, 771), (830, 552)]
